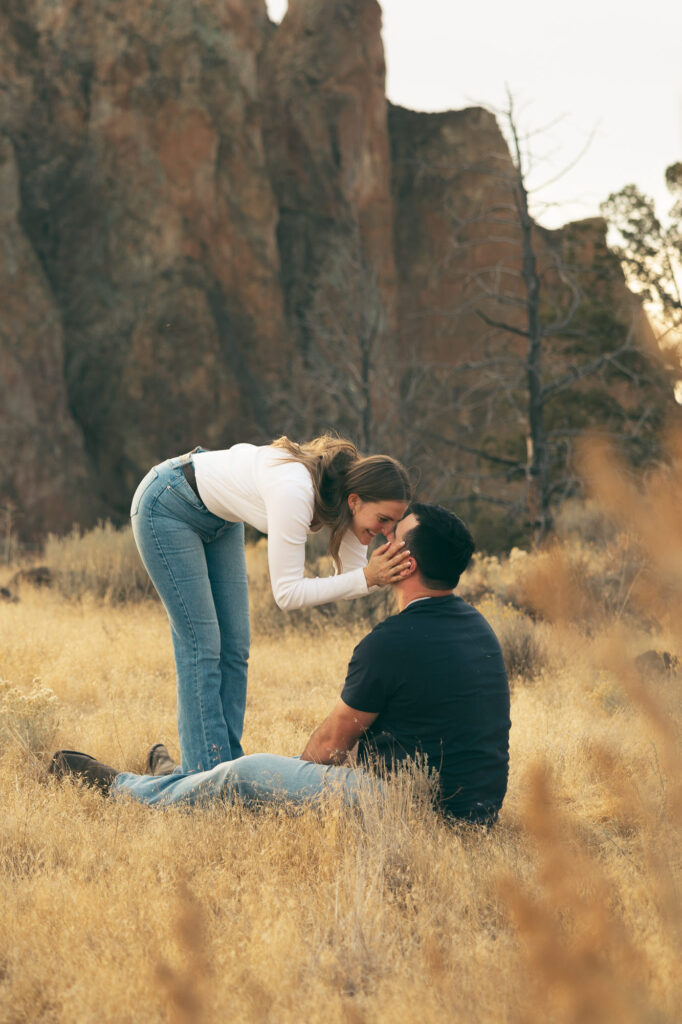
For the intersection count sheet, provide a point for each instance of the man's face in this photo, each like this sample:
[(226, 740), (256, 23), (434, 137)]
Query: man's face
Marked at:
[(405, 525)]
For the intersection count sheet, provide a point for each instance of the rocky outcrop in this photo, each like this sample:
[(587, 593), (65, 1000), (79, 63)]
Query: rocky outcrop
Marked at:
[(458, 241), (214, 230), (44, 478), (147, 200), (325, 130), (324, 122), (463, 313), (450, 182)]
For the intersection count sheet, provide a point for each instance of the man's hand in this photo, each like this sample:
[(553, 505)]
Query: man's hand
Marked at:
[(331, 741)]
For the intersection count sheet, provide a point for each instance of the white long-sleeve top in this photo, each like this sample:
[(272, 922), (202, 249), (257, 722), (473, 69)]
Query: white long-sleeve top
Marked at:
[(256, 485)]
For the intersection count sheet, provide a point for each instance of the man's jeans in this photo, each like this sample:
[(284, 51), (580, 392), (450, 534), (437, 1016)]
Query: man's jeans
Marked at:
[(197, 564), (257, 778)]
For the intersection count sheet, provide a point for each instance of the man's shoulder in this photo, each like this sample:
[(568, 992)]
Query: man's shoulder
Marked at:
[(382, 636), (454, 619), (413, 617), (473, 615), (450, 613)]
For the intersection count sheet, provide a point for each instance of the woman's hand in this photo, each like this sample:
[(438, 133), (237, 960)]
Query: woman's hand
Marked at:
[(388, 564)]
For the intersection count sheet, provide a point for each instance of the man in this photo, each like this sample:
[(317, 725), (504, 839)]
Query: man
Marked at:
[(428, 683)]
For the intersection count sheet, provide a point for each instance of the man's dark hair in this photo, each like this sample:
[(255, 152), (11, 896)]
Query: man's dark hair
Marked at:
[(441, 544)]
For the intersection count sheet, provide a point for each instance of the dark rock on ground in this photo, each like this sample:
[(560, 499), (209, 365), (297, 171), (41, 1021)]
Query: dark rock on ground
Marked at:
[(658, 663)]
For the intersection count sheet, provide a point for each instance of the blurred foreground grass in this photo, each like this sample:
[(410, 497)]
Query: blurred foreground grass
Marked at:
[(567, 911)]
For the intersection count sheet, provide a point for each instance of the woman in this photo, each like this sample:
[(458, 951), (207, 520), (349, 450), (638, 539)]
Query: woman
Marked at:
[(188, 518)]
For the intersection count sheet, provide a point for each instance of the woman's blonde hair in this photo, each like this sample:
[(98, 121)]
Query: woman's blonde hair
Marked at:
[(337, 469)]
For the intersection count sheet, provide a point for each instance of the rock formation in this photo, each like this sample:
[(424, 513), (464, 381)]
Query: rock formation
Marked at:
[(450, 183), (216, 229), (147, 201), (459, 257), (44, 476), (326, 139)]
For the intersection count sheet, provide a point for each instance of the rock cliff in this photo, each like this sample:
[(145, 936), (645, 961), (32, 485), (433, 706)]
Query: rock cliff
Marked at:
[(146, 198), (462, 313), (217, 229), (450, 184), (326, 140), (45, 478)]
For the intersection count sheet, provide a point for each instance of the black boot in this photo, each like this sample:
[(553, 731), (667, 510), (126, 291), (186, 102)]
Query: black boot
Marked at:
[(159, 761), (84, 767)]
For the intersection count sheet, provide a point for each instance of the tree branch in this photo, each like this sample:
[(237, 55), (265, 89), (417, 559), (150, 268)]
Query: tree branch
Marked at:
[(578, 372), (501, 324), (497, 459)]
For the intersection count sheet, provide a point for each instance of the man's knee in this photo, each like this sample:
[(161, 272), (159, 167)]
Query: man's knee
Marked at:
[(271, 777)]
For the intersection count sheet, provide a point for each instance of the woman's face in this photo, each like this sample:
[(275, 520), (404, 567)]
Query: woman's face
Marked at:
[(372, 517)]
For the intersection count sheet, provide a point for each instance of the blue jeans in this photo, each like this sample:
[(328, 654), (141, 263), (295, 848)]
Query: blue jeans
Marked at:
[(257, 778), (197, 563)]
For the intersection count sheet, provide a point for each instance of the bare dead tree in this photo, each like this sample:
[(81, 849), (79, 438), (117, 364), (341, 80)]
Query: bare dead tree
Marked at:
[(559, 336)]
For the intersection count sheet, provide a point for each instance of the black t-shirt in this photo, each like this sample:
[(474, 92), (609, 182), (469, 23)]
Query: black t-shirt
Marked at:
[(436, 676)]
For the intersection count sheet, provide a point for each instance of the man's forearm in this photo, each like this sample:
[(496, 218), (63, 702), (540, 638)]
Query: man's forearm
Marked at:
[(322, 749), (337, 736)]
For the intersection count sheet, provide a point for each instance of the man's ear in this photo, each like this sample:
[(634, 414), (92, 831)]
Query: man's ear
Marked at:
[(412, 565)]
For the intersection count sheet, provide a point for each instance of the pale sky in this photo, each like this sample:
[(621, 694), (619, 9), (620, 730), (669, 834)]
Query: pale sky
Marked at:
[(611, 69)]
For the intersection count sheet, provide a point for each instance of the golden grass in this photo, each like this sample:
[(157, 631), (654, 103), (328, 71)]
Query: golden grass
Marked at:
[(567, 911), (101, 563)]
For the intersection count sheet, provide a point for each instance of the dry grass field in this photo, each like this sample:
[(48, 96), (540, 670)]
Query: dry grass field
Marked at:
[(566, 911)]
